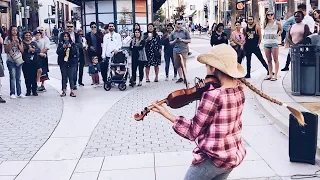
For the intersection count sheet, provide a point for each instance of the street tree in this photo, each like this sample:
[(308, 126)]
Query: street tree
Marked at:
[(290, 8), (233, 12), (255, 10), (179, 11)]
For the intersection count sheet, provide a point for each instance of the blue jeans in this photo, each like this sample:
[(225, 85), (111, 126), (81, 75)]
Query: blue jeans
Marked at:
[(167, 58), (15, 78), (206, 170)]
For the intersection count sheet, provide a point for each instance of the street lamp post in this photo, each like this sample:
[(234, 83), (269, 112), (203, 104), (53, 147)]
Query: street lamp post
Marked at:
[(25, 14), (14, 12)]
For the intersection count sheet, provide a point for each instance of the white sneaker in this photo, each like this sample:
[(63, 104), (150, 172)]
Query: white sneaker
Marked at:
[(13, 96), (95, 86), (167, 79), (174, 79), (22, 96)]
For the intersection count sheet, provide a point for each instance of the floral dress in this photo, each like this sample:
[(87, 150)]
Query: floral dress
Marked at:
[(153, 51)]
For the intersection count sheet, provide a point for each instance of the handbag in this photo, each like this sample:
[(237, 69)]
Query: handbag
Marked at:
[(142, 55), (17, 57)]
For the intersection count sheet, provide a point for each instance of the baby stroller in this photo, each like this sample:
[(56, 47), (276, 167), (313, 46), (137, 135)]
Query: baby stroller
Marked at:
[(118, 71)]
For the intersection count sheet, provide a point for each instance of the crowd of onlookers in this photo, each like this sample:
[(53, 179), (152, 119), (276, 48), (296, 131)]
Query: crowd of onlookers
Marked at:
[(28, 54)]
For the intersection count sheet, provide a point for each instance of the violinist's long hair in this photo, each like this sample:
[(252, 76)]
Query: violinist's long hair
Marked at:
[(297, 114)]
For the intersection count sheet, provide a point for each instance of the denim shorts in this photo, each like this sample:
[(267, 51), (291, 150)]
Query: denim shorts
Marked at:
[(271, 46)]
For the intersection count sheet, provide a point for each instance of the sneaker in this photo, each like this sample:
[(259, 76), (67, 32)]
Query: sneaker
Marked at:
[(35, 94), (2, 100), (28, 94), (174, 78), (41, 89), (75, 88), (180, 80), (95, 86), (285, 69), (13, 96), (167, 79), (22, 96)]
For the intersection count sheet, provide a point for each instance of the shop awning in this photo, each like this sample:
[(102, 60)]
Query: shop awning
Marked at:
[(194, 13)]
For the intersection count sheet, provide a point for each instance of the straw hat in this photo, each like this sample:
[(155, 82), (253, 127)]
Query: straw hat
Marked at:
[(224, 58)]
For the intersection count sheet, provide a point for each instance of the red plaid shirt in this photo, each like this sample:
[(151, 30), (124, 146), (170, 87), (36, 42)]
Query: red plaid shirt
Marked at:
[(217, 125)]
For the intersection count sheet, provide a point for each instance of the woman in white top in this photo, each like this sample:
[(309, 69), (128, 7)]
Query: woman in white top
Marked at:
[(272, 31)]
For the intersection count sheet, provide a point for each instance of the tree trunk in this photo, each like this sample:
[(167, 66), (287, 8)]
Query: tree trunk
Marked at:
[(233, 13), (255, 11), (291, 8), (33, 16)]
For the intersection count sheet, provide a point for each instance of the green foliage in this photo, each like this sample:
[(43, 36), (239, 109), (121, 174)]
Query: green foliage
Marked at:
[(159, 15), (179, 11)]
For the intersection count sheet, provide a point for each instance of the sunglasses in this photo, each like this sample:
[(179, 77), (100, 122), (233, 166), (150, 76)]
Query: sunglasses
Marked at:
[(93, 26), (80, 34), (269, 14), (69, 26), (179, 23)]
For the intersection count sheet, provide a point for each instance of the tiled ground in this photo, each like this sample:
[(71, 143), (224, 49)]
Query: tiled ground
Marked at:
[(26, 124)]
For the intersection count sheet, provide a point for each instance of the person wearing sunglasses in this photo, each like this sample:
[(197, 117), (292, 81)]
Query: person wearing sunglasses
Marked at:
[(94, 40), (272, 31), (238, 40)]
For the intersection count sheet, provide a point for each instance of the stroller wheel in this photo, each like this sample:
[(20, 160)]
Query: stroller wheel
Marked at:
[(107, 86), (113, 84), (122, 86)]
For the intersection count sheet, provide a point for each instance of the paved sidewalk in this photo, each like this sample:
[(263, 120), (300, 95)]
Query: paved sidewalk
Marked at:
[(98, 139)]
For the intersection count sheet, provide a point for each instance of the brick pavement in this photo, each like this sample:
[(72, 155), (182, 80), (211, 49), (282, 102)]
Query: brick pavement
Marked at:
[(26, 124)]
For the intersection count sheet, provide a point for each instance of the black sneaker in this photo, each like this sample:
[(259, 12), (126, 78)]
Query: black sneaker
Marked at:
[(285, 69), (35, 94), (180, 80), (2, 100), (41, 89), (81, 84), (28, 94), (247, 76), (75, 88)]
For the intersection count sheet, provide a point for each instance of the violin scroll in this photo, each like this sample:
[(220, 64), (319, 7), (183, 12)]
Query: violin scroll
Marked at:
[(139, 117)]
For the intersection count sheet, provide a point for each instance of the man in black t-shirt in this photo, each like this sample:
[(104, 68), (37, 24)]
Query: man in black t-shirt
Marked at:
[(253, 39)]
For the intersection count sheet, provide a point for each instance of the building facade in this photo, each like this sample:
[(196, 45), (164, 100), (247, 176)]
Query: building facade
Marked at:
[(124, 13), (5, 13)]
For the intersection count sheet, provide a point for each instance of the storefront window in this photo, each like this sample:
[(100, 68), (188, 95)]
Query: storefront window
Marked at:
[(90, 7), (125, 18), (124, 5), (105, 6), (90, 18), (106, 18)]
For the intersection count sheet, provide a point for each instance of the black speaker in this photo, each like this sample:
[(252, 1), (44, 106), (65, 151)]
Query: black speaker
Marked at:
[(303, 139)]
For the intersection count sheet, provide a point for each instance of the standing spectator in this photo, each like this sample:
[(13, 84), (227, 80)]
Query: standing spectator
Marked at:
[(14, 49), (316, 17), (94, 39), (168, 52), (55, 32), (153, 50), (238, 38), (272, 31), (137, 26), (76, 40), (112, 43), (213, 28), (218, 36), (139, 57), (43, 43), (180, 38), (297, 33), (252, 46), (82, 48), (30, 67), (67, 60), (43, 66), (1, 70), (106, 29), (308, 20), (94, 70)]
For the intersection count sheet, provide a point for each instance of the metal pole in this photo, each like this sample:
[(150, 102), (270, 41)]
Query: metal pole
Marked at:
[(270, 5), (224, 13), (25, 14), (14, 12), (49, 19)]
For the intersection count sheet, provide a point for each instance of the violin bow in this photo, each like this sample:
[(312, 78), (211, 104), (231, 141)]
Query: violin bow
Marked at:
[(184, 71)]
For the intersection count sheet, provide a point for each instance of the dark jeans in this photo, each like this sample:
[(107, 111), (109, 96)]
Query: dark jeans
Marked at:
[(135, 64), (288, 60), (283, 35), (81, 67), (104, 69), (167, 58), (256, 51), (30, 71), (75, 74), (15, 78), (67, 73), (240, 53)]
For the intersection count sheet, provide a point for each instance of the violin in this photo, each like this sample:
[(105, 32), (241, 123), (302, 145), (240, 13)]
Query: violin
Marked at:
[(183, 97)]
